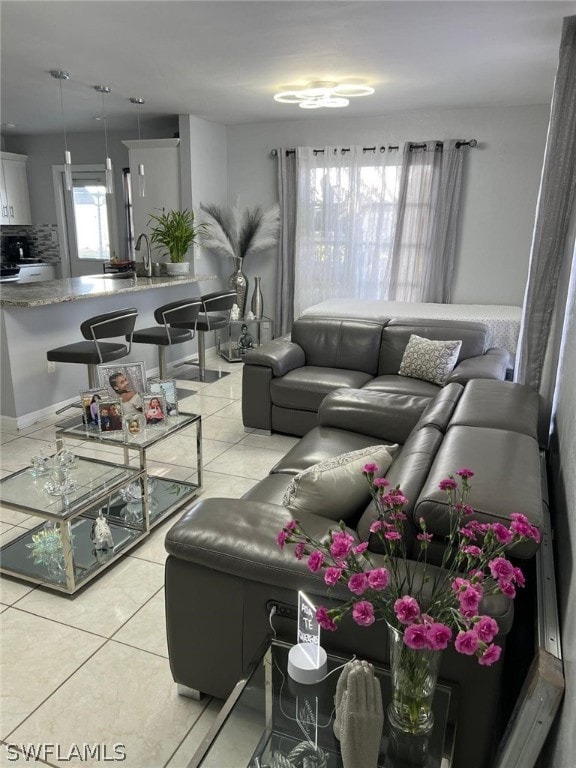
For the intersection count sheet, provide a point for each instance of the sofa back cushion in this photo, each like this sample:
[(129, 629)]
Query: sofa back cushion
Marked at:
[(396, 335), (409, 471), (333, 343)]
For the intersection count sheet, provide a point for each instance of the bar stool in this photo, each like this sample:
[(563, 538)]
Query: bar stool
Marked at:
[(165, 334), (93, 351), (216, 314)]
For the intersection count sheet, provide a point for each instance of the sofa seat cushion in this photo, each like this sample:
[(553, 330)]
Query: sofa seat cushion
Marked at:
[(488, 403), (305, 388), (336, 488), (317, 445), (506, 466), (428, 359), (403, 385)]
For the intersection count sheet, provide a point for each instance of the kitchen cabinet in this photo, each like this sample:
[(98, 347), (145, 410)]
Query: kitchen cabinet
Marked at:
[(14, 198), (161, 160)]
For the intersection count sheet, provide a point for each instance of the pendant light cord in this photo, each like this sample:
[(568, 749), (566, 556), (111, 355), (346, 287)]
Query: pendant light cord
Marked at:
[(63, 116), (105, 123)]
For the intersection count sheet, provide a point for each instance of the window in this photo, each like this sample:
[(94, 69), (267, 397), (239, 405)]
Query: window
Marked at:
[(91, 219)]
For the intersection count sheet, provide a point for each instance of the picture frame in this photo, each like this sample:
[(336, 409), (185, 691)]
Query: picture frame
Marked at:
[(110, 416), (166, 387), (89, 399), (154, 409), (126, 382)]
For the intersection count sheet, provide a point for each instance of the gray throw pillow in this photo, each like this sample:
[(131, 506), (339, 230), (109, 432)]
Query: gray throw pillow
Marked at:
[(429, 360), (336, 488)]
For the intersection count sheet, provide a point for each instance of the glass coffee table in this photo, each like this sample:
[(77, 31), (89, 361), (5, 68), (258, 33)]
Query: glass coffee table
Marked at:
[(269, 720), (60, 552), (166, 495)]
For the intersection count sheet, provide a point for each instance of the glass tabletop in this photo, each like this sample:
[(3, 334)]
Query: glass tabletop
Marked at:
[(74, 427), (89, 478), (270, 719)]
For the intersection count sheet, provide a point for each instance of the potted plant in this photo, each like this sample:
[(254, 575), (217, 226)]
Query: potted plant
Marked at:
[(175, 231)]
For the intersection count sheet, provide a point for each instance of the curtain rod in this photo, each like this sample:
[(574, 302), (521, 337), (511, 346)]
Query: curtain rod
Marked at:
[(439, 145)]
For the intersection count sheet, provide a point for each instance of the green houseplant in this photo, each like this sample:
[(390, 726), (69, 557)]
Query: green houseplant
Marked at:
[(174, 231)]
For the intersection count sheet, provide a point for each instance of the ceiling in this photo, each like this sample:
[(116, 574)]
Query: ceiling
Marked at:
[(222, 60)]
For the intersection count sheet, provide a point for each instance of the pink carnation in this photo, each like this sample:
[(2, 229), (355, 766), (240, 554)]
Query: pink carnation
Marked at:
[(502, 533), (315, 561), (416, 636), (448, 484), (360, 548), (466, 642), (332, 575), (438, 636), (507, 588), (370, 469), (281, 538), (376, 526), (469, 601), (519, 577), (299, 550), (363, 613), (472, 550), (424, 536), (392, 535), (358, 583), (501, 569), (406, 609), (381, 482), (378, 578), (522, 526), (342, 544), (465, 472), (324, 619), (486, 629), (490, 655), (291, 526)]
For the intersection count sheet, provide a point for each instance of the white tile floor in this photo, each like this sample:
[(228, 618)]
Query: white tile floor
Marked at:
[(92, 669)]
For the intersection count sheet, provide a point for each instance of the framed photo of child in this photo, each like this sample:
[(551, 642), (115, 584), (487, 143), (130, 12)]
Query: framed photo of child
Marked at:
[(89, 399), (166, 387), (110, 417), (154, 409)]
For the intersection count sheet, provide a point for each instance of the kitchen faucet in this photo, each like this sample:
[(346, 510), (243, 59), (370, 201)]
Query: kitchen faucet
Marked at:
[(147, 255)]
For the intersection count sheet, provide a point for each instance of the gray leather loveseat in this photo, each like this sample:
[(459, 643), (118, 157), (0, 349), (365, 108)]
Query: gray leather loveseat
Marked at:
[(225, 570)]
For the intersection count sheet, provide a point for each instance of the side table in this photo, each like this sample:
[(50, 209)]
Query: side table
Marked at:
[(228, 340)]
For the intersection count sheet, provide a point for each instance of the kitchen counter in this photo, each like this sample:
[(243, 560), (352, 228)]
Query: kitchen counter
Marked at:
[(37, 317), (90, 286)]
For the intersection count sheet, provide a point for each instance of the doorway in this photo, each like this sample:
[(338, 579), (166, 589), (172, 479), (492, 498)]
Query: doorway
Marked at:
[(86, 221)]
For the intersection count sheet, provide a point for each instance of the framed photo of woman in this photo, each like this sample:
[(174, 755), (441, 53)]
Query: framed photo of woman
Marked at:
[(154, 409), (89, 399), (126, 382)]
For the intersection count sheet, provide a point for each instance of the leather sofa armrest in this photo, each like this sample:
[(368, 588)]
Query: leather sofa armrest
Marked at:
[(383, 415), (279, 354), (487, 366)]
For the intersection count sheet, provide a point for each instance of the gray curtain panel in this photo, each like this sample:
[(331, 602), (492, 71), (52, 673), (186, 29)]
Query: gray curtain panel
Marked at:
[(287, 194), (552, 250)]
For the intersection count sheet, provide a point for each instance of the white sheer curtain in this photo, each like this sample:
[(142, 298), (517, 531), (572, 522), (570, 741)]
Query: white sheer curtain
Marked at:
[(345, 226), (376, 224)]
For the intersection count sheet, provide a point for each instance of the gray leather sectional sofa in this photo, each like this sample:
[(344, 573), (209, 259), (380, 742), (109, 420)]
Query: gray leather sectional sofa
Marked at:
[(224, 568), (285, 380)]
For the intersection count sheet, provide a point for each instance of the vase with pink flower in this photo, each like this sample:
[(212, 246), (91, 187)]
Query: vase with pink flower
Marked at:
[(426, 606)]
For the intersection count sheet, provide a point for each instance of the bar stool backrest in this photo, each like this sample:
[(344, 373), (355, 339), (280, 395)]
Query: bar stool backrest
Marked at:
[(109, 325), (219, 301), (184, 311)]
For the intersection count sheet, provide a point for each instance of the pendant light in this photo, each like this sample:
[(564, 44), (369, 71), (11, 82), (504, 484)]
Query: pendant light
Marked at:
[(103, 89), (141, 178), (60, 75)]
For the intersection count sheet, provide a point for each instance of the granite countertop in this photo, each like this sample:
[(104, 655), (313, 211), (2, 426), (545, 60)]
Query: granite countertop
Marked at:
[(90, 286)]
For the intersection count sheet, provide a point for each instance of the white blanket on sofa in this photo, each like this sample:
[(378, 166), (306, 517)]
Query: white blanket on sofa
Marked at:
[(503, 321)]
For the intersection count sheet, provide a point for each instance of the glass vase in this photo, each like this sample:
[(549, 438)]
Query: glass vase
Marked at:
[(239, 282), (257, 306), (413, 677)]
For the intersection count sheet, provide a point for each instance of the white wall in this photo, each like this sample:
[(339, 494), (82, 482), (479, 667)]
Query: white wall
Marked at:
[(500, 184)]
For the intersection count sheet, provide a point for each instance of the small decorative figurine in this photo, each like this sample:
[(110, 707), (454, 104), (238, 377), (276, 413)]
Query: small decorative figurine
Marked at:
[(246, 341), (235, 312), (101, 534)]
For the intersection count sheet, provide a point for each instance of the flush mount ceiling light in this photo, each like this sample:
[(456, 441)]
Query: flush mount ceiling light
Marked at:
[(323, 94)]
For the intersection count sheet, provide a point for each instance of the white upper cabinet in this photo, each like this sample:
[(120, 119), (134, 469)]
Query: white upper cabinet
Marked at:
[(161, 160), (14, 198)]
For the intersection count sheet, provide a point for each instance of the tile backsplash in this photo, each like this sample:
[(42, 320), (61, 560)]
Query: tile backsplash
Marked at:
[(42, 239)]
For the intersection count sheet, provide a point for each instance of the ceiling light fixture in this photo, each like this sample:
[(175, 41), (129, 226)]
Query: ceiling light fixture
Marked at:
[(104, 90), (141, 178), (323, 94), (60, 75)]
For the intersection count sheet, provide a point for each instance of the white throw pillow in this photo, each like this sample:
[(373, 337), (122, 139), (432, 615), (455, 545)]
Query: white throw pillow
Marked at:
[(429, 360), (336, 488)]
